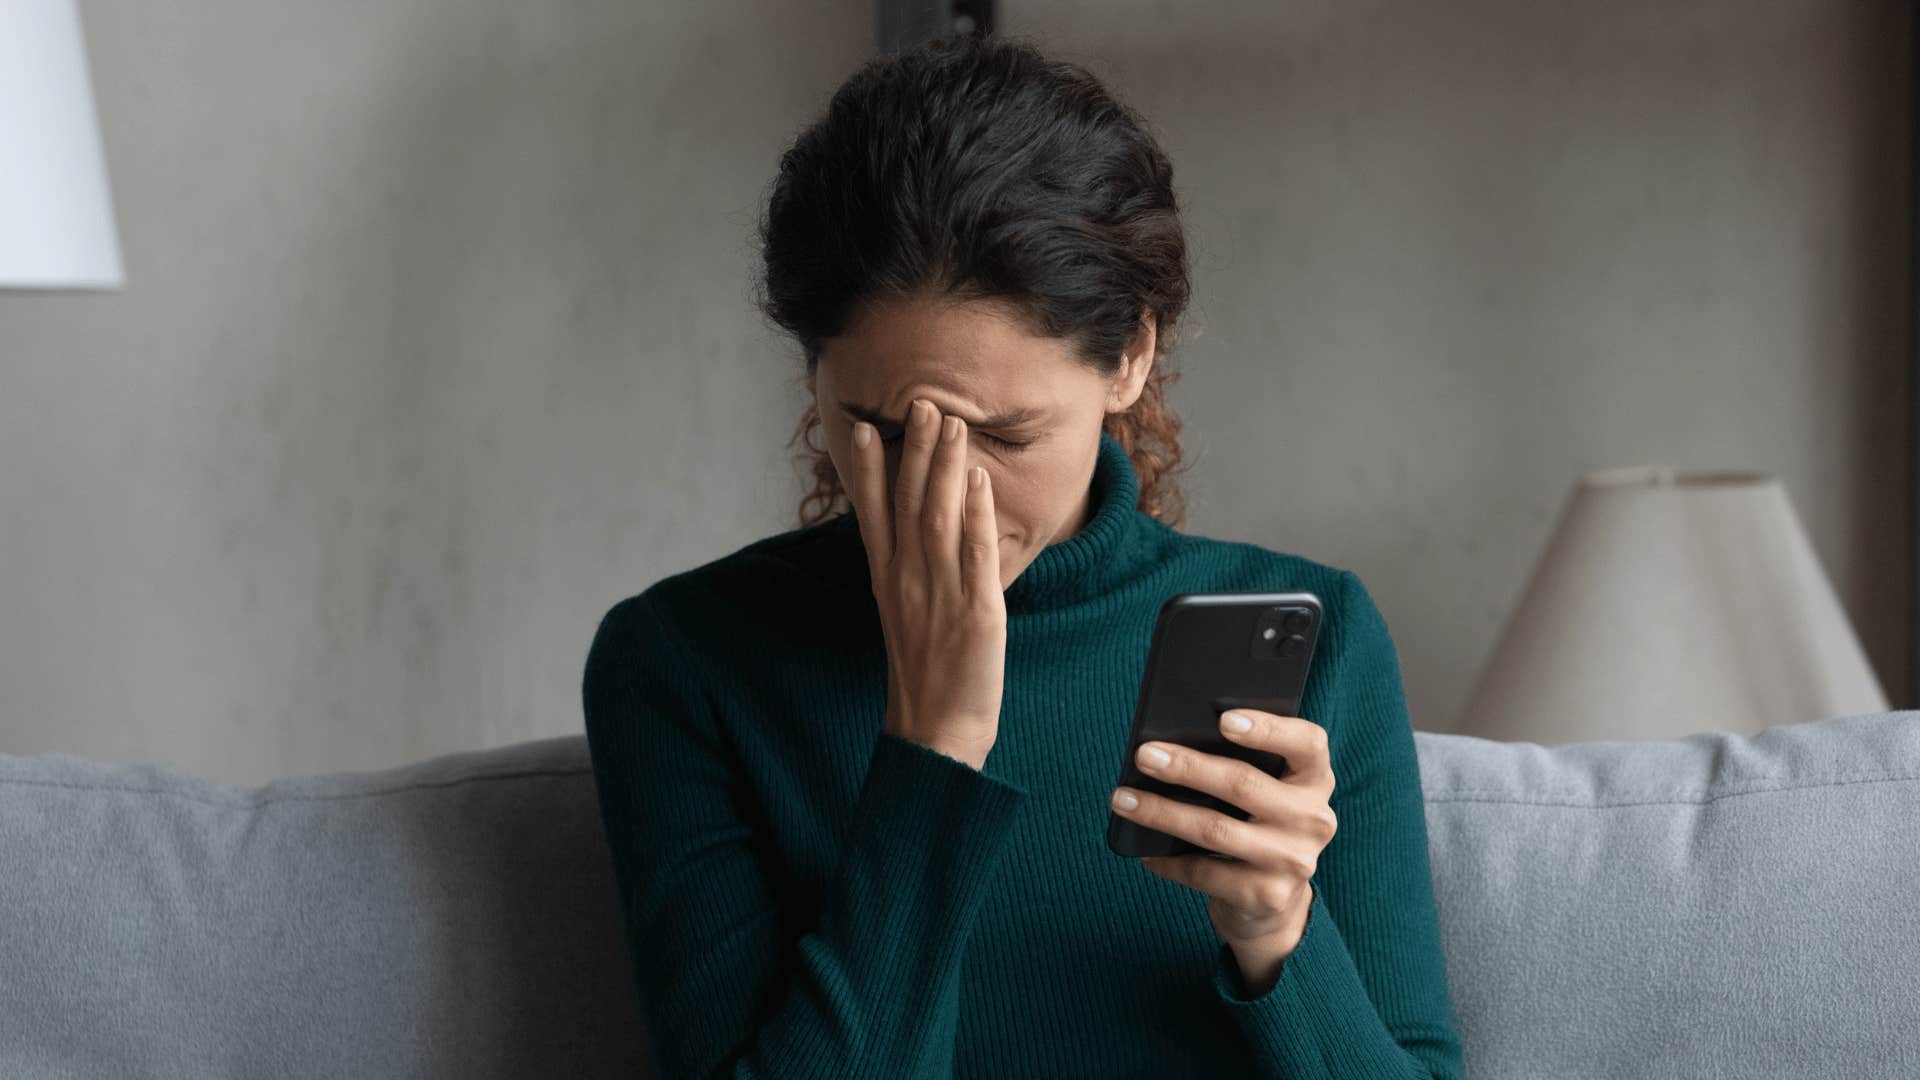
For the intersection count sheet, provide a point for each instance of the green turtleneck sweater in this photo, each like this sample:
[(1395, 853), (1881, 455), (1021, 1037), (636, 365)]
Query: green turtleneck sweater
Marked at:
[(806, 895)]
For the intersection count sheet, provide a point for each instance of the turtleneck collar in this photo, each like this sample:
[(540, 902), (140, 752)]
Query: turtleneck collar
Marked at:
[(1107, 552), (1115, 546)]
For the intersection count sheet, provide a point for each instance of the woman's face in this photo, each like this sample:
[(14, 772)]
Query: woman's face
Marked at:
[(974, 361)]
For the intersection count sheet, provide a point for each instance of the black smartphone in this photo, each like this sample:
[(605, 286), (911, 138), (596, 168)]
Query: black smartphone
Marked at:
[(1210, 653)]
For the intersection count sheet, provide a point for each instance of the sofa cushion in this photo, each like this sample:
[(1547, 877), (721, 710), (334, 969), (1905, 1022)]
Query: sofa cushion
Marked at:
[(1716, 905), (452, 918)]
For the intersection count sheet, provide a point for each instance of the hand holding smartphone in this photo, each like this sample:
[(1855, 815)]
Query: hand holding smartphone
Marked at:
[(1212, 652)]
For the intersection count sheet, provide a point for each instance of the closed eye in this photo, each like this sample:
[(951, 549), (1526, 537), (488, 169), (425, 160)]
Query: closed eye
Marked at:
[(1008, 443)]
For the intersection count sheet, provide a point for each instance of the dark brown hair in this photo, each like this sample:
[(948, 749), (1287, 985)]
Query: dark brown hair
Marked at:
[(974, 167)]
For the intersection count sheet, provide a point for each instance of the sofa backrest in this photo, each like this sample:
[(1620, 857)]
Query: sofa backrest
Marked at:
[(452, 918), (1716, 905)]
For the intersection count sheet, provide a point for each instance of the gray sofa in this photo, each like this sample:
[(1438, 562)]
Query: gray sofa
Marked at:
[(1713, 906)]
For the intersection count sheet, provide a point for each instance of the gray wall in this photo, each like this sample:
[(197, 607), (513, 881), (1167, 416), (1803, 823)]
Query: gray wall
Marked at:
[(438, 338)]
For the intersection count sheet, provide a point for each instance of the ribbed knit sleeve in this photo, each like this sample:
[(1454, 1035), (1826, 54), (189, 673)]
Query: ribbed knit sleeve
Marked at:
[(1364, 993), (728, 984)]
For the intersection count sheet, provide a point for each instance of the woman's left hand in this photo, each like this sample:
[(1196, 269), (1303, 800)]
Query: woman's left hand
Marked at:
[(1259, 904)]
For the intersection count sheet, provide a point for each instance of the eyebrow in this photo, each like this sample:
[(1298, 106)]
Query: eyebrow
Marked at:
[(1013, 418)]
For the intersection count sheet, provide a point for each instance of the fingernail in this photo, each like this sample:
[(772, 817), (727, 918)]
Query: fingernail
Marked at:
[(862, 434), (1124, 799), (1233, 721), (975, 475), (953, 429), (1153, 757), (922, 416)]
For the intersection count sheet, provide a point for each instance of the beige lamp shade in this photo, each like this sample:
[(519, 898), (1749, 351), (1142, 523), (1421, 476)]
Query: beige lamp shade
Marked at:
[(1668, 603), (56, 212)]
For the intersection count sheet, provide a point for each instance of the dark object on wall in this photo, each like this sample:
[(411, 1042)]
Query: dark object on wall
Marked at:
[(901, 23)]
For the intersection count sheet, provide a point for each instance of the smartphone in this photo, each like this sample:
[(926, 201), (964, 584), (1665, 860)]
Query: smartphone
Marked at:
[(1210, 653)]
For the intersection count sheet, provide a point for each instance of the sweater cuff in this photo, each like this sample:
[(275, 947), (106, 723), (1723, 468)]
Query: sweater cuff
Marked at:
[(1311, 1005), (908, 772), (928, 828)]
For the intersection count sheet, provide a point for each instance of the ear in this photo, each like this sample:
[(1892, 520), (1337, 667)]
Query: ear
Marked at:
[(1136, 363)]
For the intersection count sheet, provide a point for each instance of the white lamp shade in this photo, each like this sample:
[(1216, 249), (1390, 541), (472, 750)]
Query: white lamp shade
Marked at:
[(56, 213), (1669, 603)]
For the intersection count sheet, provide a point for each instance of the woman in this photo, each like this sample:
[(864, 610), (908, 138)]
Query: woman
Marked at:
[(856, 776)]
